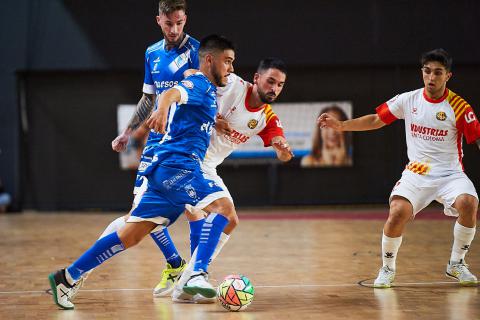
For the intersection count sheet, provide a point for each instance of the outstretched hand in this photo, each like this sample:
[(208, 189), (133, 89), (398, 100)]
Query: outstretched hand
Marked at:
[(283, 149), (325, 120)]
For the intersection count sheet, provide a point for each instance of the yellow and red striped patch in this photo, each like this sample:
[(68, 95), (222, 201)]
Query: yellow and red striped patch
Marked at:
[(458, 104), (269, 114), (418, 167)]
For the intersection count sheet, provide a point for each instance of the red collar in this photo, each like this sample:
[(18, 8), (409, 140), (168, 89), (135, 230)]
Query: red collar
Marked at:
[(445, 94), (247, 105)]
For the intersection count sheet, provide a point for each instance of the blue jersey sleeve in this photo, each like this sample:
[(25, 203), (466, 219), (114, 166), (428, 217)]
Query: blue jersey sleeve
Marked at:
[(192, 90), (148, 85)]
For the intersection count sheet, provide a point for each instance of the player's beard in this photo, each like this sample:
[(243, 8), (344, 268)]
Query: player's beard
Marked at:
[(169, 45), (266, 98), (218, 78)]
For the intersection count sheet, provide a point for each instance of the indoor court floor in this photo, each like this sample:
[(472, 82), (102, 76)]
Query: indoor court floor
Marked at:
[(304, 264)]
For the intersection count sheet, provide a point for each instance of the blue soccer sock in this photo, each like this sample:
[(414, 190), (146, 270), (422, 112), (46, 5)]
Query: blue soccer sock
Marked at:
[(101, 251), (195, 232), (165, 243), (211, 230)]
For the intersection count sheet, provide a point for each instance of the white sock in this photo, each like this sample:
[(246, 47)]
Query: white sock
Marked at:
[(115, 225), (462, 238), (69, 278), (221, 242), (390, 248), (189, 269)]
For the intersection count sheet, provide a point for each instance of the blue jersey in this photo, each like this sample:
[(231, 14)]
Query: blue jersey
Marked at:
[(164, 69), (189, 126)]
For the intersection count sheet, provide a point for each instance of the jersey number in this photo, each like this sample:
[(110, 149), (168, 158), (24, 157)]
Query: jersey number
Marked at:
[(470, 117)]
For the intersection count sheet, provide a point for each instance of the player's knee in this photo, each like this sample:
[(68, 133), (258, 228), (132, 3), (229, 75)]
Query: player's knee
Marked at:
[(224, 207), (466, 205), (233, 220), (399, 214)]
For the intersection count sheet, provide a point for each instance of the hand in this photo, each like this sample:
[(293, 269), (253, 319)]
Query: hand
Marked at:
[(283, 149), (222, 126), (327, 121), (120, 143), (157, 121)]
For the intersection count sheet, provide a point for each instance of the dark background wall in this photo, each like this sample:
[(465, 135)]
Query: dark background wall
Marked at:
[(66, 65)]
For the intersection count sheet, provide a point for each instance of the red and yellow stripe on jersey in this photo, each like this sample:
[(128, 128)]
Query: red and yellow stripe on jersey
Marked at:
[(272, 128), (459, 105)]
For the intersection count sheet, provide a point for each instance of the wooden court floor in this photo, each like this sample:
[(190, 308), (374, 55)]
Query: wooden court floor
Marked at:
[(304, 264)]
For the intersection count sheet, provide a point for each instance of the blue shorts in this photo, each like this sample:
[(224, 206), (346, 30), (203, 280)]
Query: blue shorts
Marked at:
[(169, 190)]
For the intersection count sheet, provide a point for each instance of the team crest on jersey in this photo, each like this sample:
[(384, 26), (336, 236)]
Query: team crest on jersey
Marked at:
[(252, 124), (191, 191), (188, 84), (442, 116)]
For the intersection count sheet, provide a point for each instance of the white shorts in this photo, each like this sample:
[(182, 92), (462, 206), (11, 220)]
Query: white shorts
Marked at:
[(211, 174), (422, 190), (138, 192)]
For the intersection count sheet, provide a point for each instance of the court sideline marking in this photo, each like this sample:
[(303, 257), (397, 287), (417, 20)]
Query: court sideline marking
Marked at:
[(360, 283)]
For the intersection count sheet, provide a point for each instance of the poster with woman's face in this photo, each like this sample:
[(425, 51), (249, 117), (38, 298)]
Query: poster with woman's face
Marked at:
[(314, 147)]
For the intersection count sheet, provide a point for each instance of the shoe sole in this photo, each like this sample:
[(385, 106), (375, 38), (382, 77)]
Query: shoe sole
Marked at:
[(164, 293), (385, 286), (207, 293), (464, 283), (51, 279)]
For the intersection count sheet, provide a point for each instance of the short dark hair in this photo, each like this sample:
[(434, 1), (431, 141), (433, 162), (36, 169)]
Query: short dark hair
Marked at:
[(272, 63), (169, 6), (214, 43), (438, 55)]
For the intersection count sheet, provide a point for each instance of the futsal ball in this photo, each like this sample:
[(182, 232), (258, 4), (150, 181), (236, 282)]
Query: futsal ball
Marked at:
[(235, 293)]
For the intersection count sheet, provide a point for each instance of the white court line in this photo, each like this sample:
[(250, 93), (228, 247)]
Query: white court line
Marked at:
[(258, 286)]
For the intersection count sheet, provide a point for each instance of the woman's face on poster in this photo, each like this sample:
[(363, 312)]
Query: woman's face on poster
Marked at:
[(330, 137)]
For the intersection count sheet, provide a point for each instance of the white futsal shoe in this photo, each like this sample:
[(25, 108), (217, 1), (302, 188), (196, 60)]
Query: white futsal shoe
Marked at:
[(78, 285), (61, 289), (198, 283), (385, 278), (179, 296), (459, 271)]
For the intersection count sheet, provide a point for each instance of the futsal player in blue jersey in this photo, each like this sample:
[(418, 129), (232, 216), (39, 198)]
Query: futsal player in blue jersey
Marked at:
[(174, 176), (165, 62)]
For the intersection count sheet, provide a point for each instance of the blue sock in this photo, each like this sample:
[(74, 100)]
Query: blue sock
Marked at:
[(195, 231), (211, 230), (165, 243), (102, 250)]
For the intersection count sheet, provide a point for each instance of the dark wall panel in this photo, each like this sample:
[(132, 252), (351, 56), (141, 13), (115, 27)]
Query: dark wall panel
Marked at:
[(72, 119)]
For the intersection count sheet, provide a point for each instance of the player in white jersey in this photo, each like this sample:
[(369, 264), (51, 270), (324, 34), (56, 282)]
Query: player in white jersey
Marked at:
[(246, 109), (436, 119)]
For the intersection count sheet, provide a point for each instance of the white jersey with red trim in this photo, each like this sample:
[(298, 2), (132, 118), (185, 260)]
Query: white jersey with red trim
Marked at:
[(434, 130), (245, 121)]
